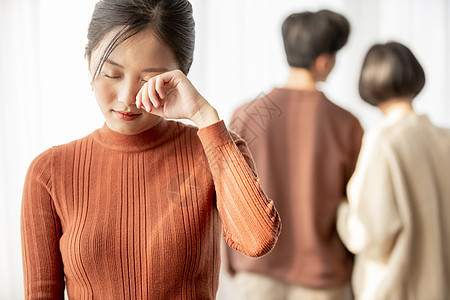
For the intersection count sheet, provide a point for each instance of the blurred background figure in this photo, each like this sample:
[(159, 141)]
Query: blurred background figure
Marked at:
[(399, 196), (305, 149)]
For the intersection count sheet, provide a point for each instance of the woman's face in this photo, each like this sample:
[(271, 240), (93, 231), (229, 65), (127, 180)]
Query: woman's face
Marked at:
[(128, 67)]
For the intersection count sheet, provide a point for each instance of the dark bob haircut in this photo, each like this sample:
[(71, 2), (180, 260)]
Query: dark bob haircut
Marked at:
[(170, 20), (390, 70), (307, 35)]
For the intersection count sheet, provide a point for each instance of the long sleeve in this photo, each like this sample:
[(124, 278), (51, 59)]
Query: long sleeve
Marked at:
[(369, 223), (251, 223), (41, 231)]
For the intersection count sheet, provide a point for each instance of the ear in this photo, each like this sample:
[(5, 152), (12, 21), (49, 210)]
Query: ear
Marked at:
[(324, 64)]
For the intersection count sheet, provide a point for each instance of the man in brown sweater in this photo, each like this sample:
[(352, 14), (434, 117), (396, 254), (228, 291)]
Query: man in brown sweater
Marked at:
[(305, 149)]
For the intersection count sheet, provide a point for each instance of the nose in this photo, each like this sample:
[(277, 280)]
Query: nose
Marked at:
[(128, 92)]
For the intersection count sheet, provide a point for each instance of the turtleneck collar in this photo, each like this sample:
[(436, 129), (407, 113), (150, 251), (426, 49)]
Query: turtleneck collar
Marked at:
[(134, 143)]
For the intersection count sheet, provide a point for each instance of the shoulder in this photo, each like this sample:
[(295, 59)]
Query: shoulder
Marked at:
[(382, 140), (342, 122), (43, 162), (339, 112), (395, 132), (406, 142), (263, 101), (254, 116), (414, 131), (40, 170), (444, 134)]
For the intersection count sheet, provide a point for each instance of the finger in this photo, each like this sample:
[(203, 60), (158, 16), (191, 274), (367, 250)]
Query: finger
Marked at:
[(152, 93), (145, 100), (159, 87), (171, 79), (139, 97)]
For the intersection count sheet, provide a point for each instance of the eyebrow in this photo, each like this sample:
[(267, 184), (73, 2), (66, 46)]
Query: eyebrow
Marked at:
[(147, 70)]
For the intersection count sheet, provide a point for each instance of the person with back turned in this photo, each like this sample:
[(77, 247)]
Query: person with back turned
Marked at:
[(305, 148), (396, 218)]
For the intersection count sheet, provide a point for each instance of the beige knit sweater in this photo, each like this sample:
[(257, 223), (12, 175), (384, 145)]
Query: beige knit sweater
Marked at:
[(397, 217)]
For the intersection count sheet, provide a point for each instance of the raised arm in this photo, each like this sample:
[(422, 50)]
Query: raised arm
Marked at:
[(41, 231), (251, 222)]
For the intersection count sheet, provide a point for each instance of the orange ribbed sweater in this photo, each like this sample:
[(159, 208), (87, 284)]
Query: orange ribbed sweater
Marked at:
[(112, 216)]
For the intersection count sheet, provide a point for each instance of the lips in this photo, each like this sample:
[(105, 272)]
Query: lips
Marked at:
[(126, 116)]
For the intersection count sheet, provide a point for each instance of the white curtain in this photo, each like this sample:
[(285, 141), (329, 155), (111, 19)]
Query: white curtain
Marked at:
[(240, 53), (45, 96), (19, 132), (45, 100)]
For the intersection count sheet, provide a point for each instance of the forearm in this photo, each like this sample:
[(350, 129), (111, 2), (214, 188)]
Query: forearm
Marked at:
[(251, 222)]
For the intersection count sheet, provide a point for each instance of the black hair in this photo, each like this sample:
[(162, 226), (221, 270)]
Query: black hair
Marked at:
[(170, 20), (307, 35), (390, 70)]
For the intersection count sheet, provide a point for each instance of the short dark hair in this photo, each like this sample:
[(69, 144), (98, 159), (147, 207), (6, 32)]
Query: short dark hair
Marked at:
[(170, 20), (390, 70), (306, 35)]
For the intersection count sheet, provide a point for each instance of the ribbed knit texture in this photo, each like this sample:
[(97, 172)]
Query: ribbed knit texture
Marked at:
[(139, 217), (305, 149)]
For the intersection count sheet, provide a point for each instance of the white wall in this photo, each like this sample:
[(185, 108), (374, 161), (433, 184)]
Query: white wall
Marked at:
[(45, 96), (240, 53)]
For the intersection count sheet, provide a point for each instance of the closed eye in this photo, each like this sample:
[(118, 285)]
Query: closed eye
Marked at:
[(110, 77)]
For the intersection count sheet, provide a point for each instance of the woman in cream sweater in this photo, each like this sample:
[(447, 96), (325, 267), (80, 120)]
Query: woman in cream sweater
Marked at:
[(396, 218)]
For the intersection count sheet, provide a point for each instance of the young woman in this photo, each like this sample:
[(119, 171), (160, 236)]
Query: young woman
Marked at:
[(134, 210), (399, 196)]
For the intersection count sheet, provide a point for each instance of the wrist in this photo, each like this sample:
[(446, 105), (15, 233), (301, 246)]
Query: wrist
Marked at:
[(205, 116)]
